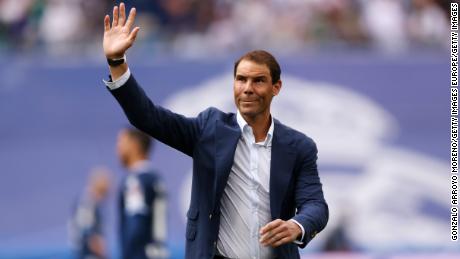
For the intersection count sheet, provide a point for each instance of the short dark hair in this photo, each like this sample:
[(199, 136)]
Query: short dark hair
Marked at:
[(144, 140), (264, 58)]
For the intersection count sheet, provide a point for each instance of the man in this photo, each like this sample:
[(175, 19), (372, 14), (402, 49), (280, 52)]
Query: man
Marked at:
[(256, 192), (142, 205), (85, 226)]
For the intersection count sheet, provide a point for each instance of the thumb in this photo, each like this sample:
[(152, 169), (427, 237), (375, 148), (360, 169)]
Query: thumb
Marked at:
[(132, 36)]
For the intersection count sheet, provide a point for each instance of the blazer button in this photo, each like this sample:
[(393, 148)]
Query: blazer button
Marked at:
[(210, 216)]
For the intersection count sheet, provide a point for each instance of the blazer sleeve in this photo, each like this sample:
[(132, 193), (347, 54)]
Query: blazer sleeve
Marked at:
[(312, 209), (172, 129)]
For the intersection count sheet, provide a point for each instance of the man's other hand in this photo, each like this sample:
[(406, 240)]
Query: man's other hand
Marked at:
[(279, 232)]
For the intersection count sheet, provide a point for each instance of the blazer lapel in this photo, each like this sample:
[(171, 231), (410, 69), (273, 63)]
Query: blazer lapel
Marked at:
[(226, 139), (281, 167)]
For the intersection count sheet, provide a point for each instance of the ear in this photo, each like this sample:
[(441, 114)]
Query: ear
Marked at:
[(277, 87)]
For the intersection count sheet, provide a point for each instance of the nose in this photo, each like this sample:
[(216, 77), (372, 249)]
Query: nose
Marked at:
[(248, 87)]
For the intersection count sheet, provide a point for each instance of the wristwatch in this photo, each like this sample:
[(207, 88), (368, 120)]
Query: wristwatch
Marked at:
[(116, 62)]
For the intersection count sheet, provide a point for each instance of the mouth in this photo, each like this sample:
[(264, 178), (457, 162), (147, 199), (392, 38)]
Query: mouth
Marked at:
[(248, 101)]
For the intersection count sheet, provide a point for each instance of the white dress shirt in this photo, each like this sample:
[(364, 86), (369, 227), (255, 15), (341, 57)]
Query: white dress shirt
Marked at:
[(245, 204)]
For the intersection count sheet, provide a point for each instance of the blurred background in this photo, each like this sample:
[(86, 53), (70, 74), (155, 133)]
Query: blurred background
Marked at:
[(367, 79)]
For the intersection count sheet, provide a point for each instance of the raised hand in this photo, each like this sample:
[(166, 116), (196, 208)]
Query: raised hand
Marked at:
[(119, 37)]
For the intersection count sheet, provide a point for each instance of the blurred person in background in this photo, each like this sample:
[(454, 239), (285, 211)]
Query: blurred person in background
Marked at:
[(142, 199), (75, 21), (19, 21), (86, 223), (428, 23), (387, 32)]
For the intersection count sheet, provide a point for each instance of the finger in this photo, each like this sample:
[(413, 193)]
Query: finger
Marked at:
[(106, 23), (133, 34), (275, 234), (271, 225), (275, 238), (265, 237), (122, 14), (282, 241), (131, 17), (115, 16)]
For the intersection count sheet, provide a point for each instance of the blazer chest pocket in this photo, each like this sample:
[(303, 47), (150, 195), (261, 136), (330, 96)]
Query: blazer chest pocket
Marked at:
[(192, 216)]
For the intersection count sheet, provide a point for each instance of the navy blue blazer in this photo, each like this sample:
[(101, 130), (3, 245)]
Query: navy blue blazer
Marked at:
[(211, 139)]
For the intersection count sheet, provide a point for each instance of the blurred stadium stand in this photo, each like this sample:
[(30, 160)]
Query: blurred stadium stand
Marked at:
[(364, 78), (196, 28)]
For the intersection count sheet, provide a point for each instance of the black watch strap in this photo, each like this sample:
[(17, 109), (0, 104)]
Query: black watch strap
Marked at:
[(116, 62)]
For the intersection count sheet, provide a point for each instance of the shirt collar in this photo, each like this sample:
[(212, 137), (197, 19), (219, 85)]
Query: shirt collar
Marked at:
[(244, 125)]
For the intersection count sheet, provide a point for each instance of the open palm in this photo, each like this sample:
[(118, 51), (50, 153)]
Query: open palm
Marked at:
[(119, 37)]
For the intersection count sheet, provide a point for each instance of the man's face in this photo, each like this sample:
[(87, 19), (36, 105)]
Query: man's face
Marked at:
[(100, 185), (253, 88), (124, 147)]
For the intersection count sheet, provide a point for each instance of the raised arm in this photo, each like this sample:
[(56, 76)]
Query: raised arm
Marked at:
[(168, 127), (119, 37)]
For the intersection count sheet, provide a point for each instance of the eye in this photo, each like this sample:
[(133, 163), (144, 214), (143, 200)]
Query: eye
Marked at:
[(259, 80), (240, 79)]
